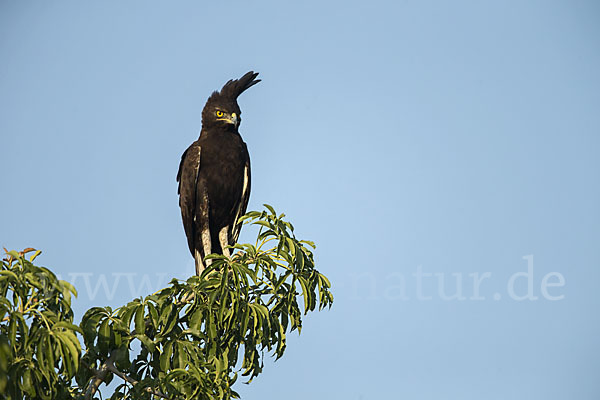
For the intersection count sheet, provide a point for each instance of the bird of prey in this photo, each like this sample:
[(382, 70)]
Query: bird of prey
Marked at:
[(214, 175)]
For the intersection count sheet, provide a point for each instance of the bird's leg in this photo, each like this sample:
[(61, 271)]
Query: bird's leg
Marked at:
[(224, 241), (206, 246), (204, 236), (206, 249), (199, 262)]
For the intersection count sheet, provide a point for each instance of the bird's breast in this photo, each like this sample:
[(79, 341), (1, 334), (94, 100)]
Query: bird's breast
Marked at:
[(223, 168)]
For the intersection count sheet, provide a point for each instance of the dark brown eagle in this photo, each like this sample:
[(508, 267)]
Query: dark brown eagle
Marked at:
[(214, 175)]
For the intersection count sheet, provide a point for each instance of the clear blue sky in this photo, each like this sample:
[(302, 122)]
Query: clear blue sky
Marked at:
[(406, 138)]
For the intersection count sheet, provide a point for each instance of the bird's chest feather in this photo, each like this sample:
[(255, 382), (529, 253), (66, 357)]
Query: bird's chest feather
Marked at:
[(222, 164)]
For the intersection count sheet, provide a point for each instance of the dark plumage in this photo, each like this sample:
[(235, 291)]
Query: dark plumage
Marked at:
[(214, 175)]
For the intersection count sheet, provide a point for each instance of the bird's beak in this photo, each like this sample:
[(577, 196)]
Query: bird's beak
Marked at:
[(233, 119)]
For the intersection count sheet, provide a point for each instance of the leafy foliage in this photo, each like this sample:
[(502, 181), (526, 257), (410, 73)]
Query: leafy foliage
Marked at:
[(192, 339), (39, 350)]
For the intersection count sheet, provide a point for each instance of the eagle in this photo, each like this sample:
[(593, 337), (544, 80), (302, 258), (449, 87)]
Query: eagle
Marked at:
[(214, 175)]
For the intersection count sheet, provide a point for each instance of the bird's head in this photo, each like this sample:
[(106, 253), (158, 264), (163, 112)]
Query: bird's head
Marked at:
[(222, 109)]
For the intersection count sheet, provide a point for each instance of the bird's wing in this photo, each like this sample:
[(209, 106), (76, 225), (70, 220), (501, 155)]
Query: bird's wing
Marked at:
[(187, 176), (237, 225)]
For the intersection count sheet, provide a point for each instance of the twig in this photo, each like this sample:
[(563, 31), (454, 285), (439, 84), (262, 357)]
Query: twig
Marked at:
[(109, 366), (187, 299), (100, 376)]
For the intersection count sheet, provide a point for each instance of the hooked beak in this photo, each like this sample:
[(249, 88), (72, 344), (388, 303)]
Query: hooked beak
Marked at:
[(231, 119), (234, 119)]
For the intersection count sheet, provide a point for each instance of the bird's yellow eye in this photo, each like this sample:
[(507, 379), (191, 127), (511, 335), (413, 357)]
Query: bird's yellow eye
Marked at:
[(219, 113)]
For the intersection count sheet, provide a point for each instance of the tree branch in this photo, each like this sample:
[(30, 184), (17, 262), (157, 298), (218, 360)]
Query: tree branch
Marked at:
[(100, 376), (109, 366)]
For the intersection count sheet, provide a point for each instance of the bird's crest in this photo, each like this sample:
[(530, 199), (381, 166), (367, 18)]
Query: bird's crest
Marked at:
[(227, 98), (234, 87)]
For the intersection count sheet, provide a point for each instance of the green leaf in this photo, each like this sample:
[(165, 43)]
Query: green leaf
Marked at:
[(70, 353), (265, 224), (127, 313), (324, 278), (26, 384), (212, 327), (9, 273), (196, 318), (104, 336), (122, 357), (68, 286), (304, 285), (165, 314), (34, 255), (271, 209), (14, 254), (147, 342), (140, 326), (170, 323), (49, 352), (117, 338), (165, 357), (12, 328), (153, 314), (182, 357), (67, 325)]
